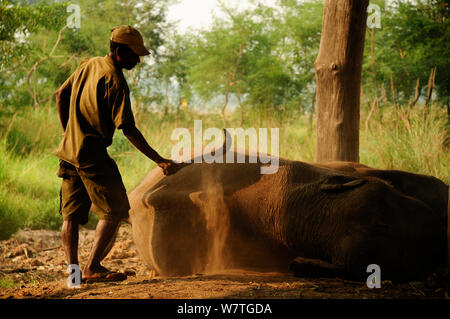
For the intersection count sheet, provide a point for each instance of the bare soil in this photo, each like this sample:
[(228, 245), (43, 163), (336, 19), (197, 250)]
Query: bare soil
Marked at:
[(32, 265)]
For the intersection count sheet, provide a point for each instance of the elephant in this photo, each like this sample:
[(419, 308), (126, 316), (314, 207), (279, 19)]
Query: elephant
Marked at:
[(331, 219)]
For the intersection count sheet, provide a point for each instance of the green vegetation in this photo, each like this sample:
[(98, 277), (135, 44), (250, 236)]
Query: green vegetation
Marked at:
[(29, 192), (29, 187), (252, 68), (7, 283)]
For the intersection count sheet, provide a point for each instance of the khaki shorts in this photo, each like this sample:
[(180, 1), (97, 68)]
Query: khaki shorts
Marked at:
[(100, 185)]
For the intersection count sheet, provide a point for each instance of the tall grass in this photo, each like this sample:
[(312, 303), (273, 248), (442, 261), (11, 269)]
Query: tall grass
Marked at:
[(28, 182), (409, 141), (29, 187)]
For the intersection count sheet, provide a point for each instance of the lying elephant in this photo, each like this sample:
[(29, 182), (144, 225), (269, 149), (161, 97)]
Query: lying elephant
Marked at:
[(331, 219)]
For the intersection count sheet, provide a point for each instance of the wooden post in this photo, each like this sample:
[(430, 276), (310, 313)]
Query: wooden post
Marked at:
[(338, 76)]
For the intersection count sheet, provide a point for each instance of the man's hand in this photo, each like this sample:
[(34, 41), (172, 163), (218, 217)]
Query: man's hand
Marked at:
[(137, 139), (169, 167)]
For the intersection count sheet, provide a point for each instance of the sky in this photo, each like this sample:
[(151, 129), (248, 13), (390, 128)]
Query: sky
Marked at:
[(196, 14)]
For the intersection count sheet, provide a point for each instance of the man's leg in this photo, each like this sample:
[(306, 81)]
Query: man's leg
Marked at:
[(74, 208), (110, 202), (105, 234), (69, 235)]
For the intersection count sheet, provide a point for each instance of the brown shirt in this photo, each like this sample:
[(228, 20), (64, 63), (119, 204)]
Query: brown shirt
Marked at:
[(99, 103)]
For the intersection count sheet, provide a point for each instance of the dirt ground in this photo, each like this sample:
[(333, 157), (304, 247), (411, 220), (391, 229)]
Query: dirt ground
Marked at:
[(32, 265)]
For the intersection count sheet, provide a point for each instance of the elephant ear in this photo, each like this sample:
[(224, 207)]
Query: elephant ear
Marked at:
[(341, 183)]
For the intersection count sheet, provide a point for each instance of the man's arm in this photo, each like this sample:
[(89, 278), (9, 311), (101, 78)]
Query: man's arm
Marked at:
[(138, 140), (63, 104)]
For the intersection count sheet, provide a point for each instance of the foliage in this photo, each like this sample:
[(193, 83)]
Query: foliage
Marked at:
[(18, 52), (255, 54), (413, 39), (260, 57), (39, 51), (258, 63), (19, 20), (29, 187)]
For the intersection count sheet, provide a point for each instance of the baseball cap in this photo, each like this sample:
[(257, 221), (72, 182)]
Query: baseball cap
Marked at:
[(125, 34)]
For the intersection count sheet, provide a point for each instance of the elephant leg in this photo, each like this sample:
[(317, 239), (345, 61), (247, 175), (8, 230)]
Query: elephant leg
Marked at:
[(306, 267)]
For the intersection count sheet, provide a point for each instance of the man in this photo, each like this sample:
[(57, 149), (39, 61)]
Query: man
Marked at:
[(92, 103)]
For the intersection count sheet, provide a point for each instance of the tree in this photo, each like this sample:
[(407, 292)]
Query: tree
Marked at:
[(19, 55), (338, 76), (245, 56), (300, 25), (413, 40), (219, 58), (38, 51), (170, 74)]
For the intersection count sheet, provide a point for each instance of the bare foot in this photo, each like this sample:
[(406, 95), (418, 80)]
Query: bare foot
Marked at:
[(94, 270), (102, 274), (105, 277)]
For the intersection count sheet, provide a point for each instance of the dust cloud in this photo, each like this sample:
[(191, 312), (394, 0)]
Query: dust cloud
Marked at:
[(217, 219)]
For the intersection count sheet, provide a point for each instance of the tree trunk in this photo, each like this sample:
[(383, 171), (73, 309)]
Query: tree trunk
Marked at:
[(338, 75), (222, 110), (241, 107), (166, 105), (448, 110), (430, 87), (311, 114), (448, 230)]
